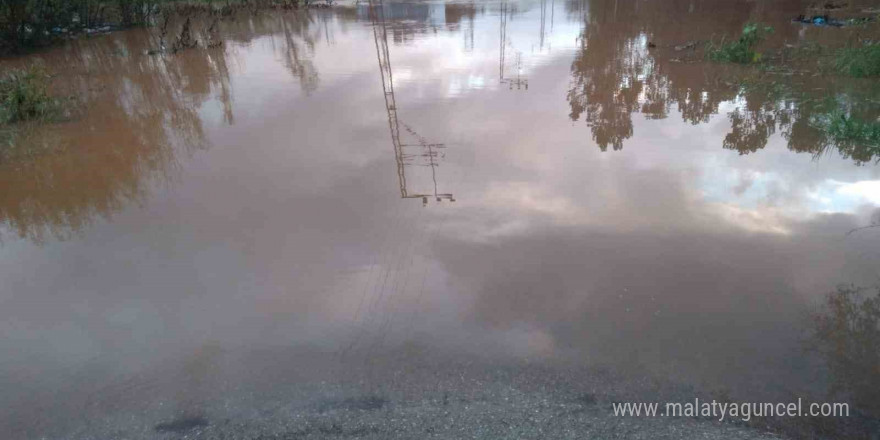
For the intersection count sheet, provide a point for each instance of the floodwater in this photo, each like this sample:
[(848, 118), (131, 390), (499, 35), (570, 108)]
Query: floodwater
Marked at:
[(540, 181)]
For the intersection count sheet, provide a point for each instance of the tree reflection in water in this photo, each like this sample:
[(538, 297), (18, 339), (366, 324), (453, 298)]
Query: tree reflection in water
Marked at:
[(139, 113), (615, 75), (846, 333)]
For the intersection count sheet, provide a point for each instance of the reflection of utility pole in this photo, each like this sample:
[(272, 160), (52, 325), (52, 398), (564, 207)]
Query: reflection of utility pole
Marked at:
[(380, 35), (502, 40), (519, 82), (327, 33), (543, 20), (469, 37)]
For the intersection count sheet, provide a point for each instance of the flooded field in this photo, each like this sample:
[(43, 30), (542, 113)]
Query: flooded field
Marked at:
[(444, 220)]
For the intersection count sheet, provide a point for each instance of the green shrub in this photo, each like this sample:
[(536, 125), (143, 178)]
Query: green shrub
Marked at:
[(859, 61), (24, 95), (743, 49), (852, 136), (30, 23), (841, 127)]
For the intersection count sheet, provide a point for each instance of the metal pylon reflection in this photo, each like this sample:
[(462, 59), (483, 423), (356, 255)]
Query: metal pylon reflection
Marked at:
[(402, 159)]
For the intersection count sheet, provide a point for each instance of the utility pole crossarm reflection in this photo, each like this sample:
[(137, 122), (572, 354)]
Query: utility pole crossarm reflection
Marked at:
[(519, 82), (380, 35)]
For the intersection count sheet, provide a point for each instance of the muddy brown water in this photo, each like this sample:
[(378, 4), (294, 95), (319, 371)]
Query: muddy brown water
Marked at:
[(522, 180)]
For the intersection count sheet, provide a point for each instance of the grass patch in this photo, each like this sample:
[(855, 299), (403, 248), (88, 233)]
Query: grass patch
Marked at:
[(24, 96), (852, 136), (25, 105), (844, 128), (859, 62), (742, 50)]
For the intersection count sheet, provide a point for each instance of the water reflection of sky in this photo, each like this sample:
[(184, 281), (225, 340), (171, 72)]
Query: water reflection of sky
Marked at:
[(438, 65), (281, 231)]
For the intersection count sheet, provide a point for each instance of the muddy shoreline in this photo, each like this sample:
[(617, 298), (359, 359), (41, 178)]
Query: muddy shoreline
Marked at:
[(402, 397)]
